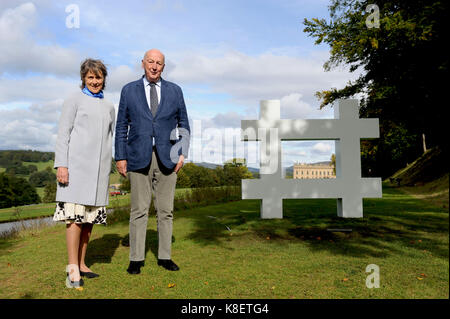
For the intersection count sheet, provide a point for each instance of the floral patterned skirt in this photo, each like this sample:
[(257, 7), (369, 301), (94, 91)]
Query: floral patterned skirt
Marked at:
[(79, 214)]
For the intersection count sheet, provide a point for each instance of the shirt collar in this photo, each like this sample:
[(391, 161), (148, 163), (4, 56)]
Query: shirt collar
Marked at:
[(146, 82)]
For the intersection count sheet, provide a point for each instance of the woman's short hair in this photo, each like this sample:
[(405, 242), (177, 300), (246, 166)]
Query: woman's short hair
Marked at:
[(96, 66)]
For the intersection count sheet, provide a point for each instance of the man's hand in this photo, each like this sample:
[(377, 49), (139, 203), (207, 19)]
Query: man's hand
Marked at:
[(179, 164), (122, 167), (62, 175)]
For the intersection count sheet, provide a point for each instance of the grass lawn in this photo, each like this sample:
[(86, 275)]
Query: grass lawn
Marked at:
[(27, 212), (227, 251), (115, 178), (40, 191), (41, 166)]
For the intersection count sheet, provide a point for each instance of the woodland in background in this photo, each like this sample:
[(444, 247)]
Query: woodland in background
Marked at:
[(403, 64)]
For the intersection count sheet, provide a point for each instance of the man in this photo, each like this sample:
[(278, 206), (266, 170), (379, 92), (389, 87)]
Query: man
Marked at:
[(147, 147)]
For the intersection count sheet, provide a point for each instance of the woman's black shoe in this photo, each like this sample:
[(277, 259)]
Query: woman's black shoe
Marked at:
[(89, 274)]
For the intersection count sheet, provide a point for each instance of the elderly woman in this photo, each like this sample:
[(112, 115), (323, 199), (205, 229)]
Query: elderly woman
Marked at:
[(83, 161)]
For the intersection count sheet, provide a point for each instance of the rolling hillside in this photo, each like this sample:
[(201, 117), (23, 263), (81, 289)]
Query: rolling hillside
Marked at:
[(426, 178)]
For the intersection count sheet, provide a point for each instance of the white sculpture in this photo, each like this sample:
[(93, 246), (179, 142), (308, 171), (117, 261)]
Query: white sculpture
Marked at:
[(346, 129)]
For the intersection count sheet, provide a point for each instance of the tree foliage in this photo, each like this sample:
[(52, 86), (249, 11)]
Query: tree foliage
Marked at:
[(231, 174), (18, 168), (16, 191), (402, 65), (49, 192), (17, 156), (40, 179)]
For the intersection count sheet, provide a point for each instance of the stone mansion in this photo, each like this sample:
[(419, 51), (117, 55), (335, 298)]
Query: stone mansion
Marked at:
[(313, 171)]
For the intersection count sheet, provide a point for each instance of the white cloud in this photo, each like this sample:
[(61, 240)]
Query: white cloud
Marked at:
[(36, 88), (306, 151), (294, 107), (254, 78), (38, 75), (31, 128), (20, 51), (322, 148), (120, 75)]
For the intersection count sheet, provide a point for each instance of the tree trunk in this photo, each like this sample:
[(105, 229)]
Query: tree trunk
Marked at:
[(424, 144)]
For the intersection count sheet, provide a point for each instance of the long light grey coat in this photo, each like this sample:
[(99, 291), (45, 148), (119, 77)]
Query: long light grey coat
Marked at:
[(84, 146)]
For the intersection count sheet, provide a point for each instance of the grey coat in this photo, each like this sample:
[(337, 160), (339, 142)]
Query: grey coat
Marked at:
[(84, 146)]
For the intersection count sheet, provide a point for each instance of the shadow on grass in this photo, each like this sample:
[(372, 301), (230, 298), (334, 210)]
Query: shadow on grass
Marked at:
[(102, 250), (7, 243), (151, 242), (390, 225)]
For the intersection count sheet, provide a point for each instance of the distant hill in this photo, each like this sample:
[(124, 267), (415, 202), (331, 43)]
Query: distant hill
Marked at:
[(253, 170), (213, 166), (207, 165), (288, 170)]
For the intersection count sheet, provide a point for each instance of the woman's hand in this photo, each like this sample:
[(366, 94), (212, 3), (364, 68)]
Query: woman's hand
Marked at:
[(62, 175)]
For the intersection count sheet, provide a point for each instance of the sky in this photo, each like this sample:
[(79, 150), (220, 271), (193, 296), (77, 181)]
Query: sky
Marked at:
[(227, 56)]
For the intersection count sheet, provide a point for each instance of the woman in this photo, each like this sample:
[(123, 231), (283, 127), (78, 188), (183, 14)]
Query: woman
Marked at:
[(83, 161)]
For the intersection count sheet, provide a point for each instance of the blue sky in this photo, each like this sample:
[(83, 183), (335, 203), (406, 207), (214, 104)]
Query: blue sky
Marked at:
[(226, 55)]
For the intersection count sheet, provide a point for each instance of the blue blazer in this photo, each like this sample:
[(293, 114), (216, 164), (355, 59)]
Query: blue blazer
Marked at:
[(136, 126)]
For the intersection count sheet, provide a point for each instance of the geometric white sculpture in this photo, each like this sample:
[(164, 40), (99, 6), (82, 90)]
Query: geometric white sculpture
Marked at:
[(349, 188)]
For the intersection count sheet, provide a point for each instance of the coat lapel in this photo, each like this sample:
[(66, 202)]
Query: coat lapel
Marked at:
[(163, 97), (141, 97)]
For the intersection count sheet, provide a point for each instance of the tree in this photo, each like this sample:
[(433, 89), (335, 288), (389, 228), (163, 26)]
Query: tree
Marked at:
[(219, 175), (32, 168), (333, 163), (199, 176), (49, 193), (40, 179), (16, 191), (113, 166), (234, 171), (183, 180), (403, 66)]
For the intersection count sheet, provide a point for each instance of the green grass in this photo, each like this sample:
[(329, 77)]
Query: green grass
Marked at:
[(294, 257), (41, 166), (27, 212), (40, 191), (115, 178)]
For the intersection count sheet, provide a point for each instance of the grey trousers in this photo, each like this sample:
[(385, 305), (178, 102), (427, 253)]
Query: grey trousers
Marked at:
[(161, 183)]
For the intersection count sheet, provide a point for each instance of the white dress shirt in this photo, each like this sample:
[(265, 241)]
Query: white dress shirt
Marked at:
[(147, 90)]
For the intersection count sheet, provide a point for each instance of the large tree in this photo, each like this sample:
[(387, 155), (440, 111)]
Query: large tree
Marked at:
[(16, 191), (399, 52), (40, 179)]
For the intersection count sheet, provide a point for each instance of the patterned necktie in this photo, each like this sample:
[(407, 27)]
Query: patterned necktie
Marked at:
[(153, 98)]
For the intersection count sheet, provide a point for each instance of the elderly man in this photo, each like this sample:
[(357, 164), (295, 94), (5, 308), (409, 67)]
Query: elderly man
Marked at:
[(152, 141)]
